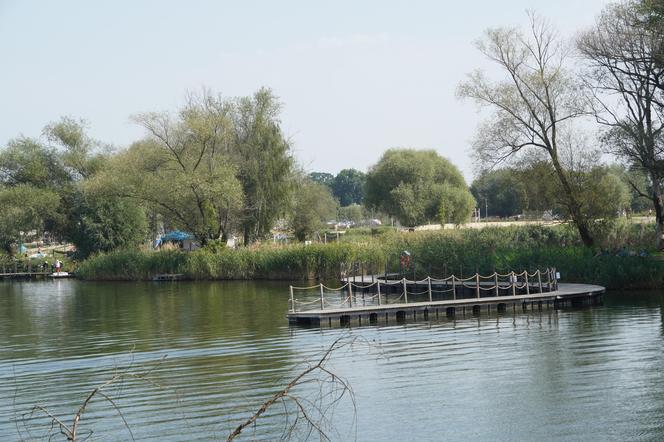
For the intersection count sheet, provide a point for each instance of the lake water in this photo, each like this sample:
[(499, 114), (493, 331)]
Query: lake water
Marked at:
[(211, 353)]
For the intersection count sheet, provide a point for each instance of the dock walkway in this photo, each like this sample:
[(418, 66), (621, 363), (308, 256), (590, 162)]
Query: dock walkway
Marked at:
[(372, 298)]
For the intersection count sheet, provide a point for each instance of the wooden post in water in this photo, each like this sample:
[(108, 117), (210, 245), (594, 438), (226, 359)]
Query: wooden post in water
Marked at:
[(453, 288), (405, 290), (495, 282), (513, 280), (430, 294), (292, 299), (527, 284), (477, 285), (322, 302), (539, 280), (378, 292)]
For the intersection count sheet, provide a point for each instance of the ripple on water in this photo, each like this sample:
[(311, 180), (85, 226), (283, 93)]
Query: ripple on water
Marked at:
[(581, 374)]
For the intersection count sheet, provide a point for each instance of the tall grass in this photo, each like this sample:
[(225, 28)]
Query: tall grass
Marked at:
[(440, 253)]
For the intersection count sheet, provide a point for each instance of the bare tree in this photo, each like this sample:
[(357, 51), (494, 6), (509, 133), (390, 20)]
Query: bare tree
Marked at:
[(313, 413), (535, 104), (624, 79)]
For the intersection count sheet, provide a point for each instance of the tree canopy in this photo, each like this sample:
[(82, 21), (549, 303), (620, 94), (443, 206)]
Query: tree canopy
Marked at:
[(314, 204), (412, 184)]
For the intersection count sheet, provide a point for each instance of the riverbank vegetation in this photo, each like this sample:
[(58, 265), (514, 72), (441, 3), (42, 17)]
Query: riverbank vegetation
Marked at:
[(623, 262)]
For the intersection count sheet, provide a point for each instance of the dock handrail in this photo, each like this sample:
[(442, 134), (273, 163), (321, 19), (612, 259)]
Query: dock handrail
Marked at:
[(514, 282)]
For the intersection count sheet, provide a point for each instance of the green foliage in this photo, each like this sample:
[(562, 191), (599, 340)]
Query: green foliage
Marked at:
[(324, 178), (348, 186), (353, 212), (26, 161), (456, 205), (503, 190), (264, 163), (25, 208), (410, 184), (458, 251), (102, 224), (314, 205)]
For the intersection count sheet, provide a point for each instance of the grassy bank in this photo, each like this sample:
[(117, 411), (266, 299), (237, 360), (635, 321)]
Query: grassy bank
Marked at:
[(615, 263)]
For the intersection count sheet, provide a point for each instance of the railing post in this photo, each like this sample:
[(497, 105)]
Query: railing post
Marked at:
[(378, 292), (453, 288), (555, 279), (539, 279), (322, 302), (548, 278), (405, 291), (477, 285), (527, 284), (513, 279), (495, 282), (430, 294), (292, 299), (350, 294)]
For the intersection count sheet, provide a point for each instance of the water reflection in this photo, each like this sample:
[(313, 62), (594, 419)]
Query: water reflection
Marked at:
[(583, 374)]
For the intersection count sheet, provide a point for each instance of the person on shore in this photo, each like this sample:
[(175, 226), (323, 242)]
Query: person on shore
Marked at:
[(58, 265)]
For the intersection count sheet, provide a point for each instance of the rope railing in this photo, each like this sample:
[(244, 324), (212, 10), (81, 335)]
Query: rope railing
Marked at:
[(508, 282)]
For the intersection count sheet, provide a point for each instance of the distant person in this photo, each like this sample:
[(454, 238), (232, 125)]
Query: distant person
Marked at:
[(58, 265)]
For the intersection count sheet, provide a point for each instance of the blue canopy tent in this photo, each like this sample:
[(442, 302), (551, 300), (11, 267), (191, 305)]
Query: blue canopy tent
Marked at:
[(176, 235), (185, 240)]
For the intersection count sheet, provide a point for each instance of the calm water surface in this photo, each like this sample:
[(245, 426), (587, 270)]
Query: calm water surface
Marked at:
[(593, 373)]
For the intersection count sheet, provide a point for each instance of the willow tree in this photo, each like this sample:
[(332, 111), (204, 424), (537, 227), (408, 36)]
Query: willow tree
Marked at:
[(181, 170), (263, 160), (624, 77), (534, 104), (418, 186)]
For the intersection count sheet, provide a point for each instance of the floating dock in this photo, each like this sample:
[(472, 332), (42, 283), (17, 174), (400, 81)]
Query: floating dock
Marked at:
[(378, 299)]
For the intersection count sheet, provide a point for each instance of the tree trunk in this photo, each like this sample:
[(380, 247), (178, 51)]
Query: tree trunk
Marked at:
[(573, 204), (659, 211)]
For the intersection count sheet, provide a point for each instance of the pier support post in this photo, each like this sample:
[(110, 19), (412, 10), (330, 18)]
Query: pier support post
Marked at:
[(430, 293), (513, 280), (405, 291), (378, 292), (477, 285), (292, 299), (322, 302), (539, 280)]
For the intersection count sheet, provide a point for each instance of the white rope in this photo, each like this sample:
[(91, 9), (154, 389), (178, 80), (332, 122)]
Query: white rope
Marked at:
[(487, 289), (442, 279), (363, 286), (488, 277), (337, 289), (418, 293), (307, 288), (392, 283), (441, 291), (297, 301)]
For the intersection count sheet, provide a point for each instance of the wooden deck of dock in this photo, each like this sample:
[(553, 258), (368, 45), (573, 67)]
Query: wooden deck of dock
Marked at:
[(462, 296)]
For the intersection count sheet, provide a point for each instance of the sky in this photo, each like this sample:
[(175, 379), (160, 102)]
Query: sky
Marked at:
[(354, 77)]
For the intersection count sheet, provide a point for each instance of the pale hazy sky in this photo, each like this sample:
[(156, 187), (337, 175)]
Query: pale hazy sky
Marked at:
[(355, 77)]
